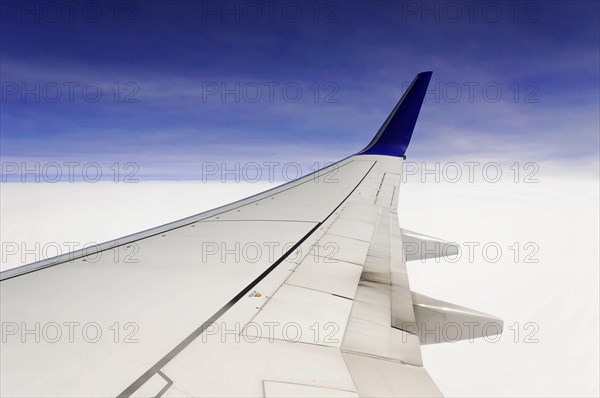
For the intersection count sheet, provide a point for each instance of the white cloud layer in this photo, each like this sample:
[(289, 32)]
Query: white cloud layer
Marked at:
[(554, 300)]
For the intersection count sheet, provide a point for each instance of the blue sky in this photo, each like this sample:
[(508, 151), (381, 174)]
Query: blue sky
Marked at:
[(170, 85)]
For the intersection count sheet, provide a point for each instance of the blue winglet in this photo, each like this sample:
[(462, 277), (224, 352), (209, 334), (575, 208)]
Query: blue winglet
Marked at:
[(393, 137)]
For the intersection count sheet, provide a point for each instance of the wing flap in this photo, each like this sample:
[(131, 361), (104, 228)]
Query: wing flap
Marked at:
[(376, 377), (277, 389)]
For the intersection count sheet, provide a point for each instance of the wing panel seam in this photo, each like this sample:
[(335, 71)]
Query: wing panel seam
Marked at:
[(188, 340)]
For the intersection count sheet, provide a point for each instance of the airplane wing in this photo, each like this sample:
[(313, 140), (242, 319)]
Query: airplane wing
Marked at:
[(301, 290)]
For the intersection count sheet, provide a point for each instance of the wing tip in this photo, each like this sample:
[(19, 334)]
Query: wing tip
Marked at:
[(393, 137)]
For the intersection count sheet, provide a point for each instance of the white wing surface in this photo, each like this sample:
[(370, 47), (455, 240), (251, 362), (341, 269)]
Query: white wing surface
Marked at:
[(298, 291)]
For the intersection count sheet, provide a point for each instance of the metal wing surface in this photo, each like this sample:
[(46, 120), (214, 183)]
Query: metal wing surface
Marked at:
[(301, 290)]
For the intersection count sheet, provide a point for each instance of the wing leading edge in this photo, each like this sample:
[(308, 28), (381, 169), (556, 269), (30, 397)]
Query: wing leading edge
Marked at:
[(329, 312)]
